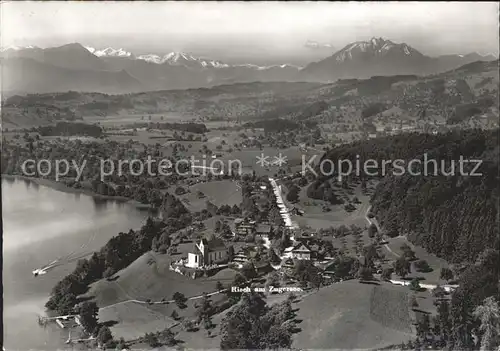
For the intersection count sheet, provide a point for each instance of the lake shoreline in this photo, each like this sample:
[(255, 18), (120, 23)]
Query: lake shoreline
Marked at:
[(59, 186), (41, 225)]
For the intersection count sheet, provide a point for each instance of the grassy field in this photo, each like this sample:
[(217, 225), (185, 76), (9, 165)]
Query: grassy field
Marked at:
[(434, 262), (121, 119), (315, 218), (224, 192), (149, 278), (389, 307), (13, 119), (131, 321), (141, 136), (351, 315)]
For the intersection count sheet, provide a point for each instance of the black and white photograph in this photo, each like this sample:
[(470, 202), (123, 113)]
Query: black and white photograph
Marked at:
[(250, 175)]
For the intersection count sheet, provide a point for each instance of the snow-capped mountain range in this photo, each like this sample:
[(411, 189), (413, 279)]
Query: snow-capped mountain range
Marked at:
[(76, 67), (181, 58), (177, 59), (109, 52)]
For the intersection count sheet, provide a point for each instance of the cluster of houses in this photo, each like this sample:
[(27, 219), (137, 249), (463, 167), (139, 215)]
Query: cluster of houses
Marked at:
[(213, 253)]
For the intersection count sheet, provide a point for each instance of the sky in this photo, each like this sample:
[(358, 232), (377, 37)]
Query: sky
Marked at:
[(251, 28)]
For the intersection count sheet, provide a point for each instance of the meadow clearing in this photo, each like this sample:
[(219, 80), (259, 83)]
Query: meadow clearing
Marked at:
[(352, 315)]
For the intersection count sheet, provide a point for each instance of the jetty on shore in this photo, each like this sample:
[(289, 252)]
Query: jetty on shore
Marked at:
[(59, 320)]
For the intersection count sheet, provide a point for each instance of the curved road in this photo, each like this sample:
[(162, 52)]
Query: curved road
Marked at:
[(162, 302), (370, 222)]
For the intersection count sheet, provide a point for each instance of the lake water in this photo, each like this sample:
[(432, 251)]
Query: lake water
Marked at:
[(41, 225)]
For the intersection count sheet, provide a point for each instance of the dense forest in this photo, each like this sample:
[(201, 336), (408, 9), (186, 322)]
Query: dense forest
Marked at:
[(274, 125), (452, 215), (466, 110), (197, 128), (67, 128)]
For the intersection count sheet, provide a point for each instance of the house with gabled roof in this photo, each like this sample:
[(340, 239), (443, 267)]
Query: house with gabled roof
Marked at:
[(263, 229), (241, 257), (207, 252), (301, 251), (244, 226), (288, 263)]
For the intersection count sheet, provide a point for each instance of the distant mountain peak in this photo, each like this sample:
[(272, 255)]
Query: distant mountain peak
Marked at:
[(374, 47), (109, 52), (312, 44), (150, 58), (70, 46), (178, 58), (378, 41), (18, 48)]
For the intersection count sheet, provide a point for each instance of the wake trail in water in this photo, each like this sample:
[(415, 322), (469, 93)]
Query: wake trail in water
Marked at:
[(69, 258)]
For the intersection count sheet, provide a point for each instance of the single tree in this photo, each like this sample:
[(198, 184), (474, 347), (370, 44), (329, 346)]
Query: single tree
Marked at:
[(372, 230), (438, 292), (174, 315), (205, 309), (180, 300), (168, 337), (413, 301), (219, 286), (248, 270), (408, 253), (88, 312), (207, 324), (415, 285), (365, 274), (386, 274), (188, 325), (122, 344), (422, 266), (446, 274), (489, 315), (104, 335), (444, 318), (402, 267), (151, 339), (423, 326)]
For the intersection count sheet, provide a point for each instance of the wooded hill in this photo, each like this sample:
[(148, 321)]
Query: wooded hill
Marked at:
[(454, 216)]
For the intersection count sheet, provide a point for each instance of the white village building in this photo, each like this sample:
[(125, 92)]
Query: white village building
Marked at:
[(300, 252), (207, 253)]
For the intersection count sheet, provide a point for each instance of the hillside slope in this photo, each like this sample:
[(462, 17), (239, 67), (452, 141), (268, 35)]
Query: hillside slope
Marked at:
[(450, 212), (466, 97), (31, 76), (379, 56), (351, 315)]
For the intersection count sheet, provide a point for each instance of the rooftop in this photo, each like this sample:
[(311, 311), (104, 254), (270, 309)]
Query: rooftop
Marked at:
[(214, 244), (299, 245), (263, 228)]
